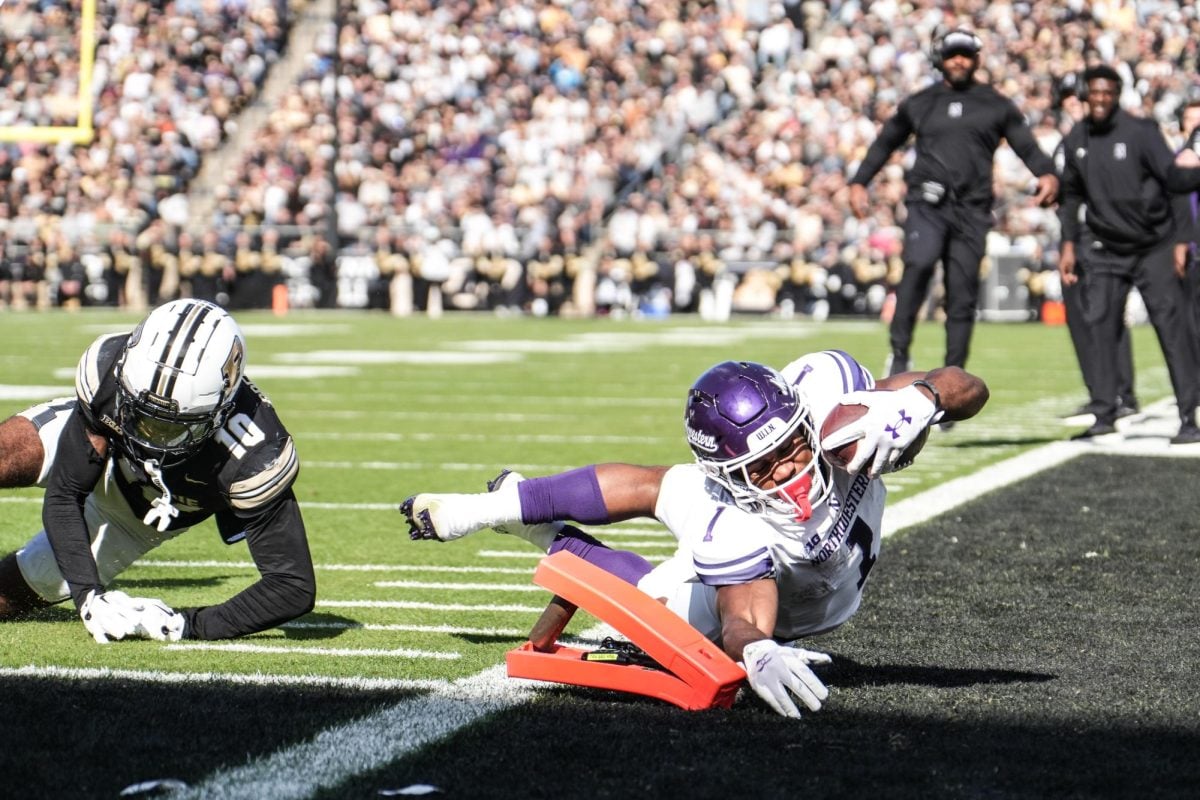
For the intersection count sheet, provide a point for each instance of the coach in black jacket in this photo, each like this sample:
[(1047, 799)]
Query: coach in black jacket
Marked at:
[(959, 123), (1117, 165)]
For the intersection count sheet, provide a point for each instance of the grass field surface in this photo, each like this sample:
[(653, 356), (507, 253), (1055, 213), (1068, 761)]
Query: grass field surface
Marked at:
[(1032, 642)]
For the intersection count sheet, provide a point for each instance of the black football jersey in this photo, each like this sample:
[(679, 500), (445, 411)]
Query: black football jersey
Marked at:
[(247, 465), (243, 474)]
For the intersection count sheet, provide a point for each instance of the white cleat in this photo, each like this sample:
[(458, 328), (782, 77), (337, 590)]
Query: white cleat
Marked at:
[(446, 517), (538, 534), (440, 517)]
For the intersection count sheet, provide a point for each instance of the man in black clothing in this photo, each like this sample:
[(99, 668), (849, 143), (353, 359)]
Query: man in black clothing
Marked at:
[(1117, 165), (1184, 178), (164, 432), (1084, 344), (958, 123)]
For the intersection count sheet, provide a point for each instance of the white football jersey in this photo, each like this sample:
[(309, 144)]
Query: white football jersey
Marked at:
[(819, 565)]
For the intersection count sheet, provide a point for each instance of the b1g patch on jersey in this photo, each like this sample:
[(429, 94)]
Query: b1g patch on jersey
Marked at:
[(1120, 151), (954, 110)]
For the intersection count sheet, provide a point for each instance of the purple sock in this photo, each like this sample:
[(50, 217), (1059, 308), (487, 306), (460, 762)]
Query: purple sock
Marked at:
[(629, 567), (573, 495)]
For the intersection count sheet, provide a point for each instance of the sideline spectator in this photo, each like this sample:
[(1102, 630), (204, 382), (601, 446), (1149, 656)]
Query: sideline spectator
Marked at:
[(1129, 216), (958, 124)]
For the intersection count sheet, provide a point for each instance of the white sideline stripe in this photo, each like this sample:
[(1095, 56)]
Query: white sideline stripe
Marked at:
[(412, 604), (218, 678), (367, 626), (337, 754), (402, 652), (467, 587), (927, 505)]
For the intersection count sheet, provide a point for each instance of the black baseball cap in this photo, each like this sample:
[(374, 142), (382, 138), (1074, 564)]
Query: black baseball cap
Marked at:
[(960, 42)]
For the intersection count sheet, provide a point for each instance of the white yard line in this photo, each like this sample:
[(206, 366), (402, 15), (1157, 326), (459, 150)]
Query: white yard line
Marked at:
[(167, 564), (288, 650), (453, 630), (413, 604), (460, 587), (218, 678)]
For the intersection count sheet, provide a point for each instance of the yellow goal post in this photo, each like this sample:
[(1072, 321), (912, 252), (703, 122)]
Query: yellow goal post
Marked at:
[(82, 132)]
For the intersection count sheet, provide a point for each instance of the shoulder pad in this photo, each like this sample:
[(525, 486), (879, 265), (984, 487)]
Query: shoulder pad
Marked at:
[(96, 363), (269, 481)]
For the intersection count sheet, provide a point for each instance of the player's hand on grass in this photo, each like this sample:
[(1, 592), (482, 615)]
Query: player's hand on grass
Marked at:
[(114, 615), (778, 673), (109, 615), (156, 620)]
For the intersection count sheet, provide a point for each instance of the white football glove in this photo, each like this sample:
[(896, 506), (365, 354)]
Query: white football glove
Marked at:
[(776, 673), (109, 615), (893, 421), (156, 620)]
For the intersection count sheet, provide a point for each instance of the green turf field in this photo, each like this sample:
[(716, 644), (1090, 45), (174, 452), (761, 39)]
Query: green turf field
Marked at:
[(1020, 646)]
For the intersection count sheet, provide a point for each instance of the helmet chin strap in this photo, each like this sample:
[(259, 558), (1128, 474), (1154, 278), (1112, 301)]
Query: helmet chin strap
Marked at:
[(797, 492), (161, 511)]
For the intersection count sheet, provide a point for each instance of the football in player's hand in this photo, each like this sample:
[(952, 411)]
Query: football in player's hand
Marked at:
[(843, 415)]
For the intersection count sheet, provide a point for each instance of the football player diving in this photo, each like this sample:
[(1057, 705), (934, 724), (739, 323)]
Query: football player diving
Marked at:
[(774, 542), (164, 432)]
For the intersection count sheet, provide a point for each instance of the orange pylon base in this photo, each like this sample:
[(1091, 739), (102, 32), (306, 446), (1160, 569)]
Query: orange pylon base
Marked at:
[(696, 673)]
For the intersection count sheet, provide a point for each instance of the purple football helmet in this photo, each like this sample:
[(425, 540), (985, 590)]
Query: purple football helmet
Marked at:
[(737, 413)]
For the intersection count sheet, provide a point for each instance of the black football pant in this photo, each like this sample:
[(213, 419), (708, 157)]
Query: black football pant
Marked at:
[(1110, 277), (956, 236), (1083, 339)]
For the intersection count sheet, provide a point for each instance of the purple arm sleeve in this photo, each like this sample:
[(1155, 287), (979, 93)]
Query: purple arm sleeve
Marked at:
[(573, 495)]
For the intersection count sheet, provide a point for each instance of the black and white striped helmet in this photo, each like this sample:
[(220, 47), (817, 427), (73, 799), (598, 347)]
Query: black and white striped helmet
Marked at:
[(177, 378)]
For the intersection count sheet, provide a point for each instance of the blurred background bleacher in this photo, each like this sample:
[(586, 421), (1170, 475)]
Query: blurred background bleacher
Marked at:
[(564, 157)]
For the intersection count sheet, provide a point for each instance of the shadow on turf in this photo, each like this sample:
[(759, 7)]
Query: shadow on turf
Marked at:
[(183, 731), (847, 672), (599, 749)]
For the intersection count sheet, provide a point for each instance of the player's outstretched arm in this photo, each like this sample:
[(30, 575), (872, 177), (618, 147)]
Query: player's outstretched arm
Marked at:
[(899, 411), (778, 674), (961, 395)]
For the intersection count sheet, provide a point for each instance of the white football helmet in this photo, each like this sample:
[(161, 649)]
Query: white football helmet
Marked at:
[(177, 378)]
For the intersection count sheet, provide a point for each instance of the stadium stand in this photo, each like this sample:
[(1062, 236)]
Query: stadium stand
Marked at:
[(521, 158)]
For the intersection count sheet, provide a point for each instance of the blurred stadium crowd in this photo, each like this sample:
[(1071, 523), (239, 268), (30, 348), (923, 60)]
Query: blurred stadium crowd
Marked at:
[(573, 156)]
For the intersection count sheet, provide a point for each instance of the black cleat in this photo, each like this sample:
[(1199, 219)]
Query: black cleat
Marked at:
[(1188, 434), (1097, 430)]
